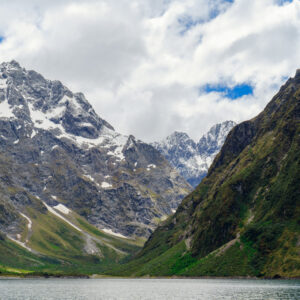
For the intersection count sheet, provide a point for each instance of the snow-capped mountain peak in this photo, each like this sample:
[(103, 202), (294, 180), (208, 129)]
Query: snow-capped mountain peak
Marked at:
[(47, 104), (60, 146), (211, 142), (193, 159)]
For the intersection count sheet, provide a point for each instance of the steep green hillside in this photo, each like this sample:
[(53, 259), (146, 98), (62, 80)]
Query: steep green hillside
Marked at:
[(244, 217), (53, 243)]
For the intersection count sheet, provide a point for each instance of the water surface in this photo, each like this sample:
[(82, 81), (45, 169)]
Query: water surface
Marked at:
[(133, 289)]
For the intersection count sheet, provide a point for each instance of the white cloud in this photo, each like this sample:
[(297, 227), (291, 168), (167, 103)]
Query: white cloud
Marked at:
[(142, 63)]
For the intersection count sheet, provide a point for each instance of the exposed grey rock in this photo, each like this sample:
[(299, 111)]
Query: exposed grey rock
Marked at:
[(191, 159), (54, 147)]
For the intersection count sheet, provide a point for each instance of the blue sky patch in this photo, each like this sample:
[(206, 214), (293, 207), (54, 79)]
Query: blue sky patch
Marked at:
[(1, 39), (188, 22), (282, 2), (230, 92)]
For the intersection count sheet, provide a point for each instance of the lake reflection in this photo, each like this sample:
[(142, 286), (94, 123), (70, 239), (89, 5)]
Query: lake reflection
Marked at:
[(206, 289)]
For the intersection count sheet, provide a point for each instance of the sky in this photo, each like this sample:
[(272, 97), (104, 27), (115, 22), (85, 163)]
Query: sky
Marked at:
[(153, 67)]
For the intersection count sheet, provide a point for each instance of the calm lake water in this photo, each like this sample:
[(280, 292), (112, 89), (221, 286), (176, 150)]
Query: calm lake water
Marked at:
[(206, 289)]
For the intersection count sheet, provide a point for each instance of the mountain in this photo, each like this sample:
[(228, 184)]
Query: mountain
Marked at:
[(191, 159), (244, 217), (66, 175)]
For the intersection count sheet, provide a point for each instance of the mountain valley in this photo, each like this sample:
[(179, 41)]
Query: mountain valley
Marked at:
[(77, 198), (243, 218)]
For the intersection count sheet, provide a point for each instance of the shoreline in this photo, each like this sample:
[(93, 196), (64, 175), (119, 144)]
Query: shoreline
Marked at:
[(99, 276)]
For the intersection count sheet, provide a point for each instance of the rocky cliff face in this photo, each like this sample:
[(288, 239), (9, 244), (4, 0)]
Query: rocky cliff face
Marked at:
[(192, 159), (55, 149), (243, 219)]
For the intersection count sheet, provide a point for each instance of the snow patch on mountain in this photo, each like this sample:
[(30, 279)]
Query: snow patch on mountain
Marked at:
[(5, 110), (109, 231), (51, 210), (3, 83), (105, 185), (62, 208), (29, 224)]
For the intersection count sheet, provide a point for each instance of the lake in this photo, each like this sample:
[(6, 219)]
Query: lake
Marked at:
[(206, 289)]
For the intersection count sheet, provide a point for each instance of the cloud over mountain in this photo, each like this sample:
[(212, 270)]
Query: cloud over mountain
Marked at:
[(145, 65)]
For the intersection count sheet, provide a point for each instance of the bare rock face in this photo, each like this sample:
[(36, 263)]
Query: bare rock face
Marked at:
[(54, 147), (191, 159)]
